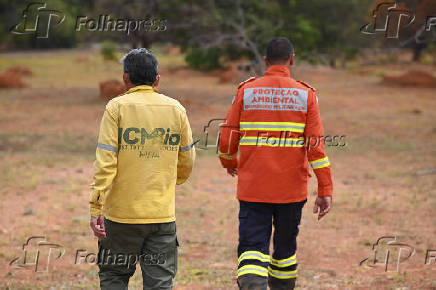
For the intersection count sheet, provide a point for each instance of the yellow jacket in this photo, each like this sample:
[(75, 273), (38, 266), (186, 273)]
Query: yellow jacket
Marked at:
[(144, 149)]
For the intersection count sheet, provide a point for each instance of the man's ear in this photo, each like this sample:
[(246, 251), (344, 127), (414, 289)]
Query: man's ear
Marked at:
[(156, 83), (267, 64), (126, 79), (291, 60)]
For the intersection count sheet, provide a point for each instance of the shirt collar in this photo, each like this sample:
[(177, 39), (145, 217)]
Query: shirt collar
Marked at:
[(142, 88), (278, 70)]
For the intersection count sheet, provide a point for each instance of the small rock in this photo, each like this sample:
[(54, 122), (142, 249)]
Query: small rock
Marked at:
[(10, 79), (29, 212)]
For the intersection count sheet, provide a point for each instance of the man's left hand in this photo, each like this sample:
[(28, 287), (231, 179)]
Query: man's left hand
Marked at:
[(232, 171), (322, 205)]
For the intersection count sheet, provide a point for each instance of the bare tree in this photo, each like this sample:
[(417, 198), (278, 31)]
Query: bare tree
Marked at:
[(231, 30)]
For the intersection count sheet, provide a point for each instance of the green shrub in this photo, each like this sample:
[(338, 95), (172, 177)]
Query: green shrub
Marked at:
[(109, 50), (205, 59)]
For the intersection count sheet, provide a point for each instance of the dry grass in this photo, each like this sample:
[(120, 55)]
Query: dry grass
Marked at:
[(47, 141)]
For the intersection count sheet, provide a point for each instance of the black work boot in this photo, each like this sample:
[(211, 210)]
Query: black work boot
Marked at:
[(281, 284), (252, 282)]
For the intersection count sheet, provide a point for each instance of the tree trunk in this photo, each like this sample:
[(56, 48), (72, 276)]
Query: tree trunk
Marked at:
[(332, 61), (417, 51), (146, 41)]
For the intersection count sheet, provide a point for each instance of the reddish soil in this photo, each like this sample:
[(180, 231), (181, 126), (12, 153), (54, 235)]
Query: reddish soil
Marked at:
[(417, 79), (10, 79), (110, 89)]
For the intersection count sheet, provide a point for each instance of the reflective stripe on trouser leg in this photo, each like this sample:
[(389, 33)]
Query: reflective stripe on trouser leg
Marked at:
[(253, 269), (280, 274), (286, 220), (255, 225), (253, 262), (282, 263), (283, 268)]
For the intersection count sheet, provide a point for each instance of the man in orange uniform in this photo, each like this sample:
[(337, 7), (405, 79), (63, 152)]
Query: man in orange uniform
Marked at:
[(275, 122)]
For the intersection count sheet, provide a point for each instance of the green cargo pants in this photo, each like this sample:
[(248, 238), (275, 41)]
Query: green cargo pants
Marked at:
[(154, 246)]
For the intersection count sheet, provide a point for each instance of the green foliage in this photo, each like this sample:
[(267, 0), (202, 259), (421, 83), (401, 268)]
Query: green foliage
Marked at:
[(205, 59), (63, 35), (108, 50), (321, 31), (430, 56)]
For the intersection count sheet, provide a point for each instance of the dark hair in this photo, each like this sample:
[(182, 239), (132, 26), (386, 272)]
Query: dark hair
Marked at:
[(141, 66), (279, 49)]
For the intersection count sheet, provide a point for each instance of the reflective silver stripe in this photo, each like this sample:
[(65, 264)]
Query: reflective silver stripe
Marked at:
[(284, 263), (272, 124), (272, 127), (282, 274), (271, 141), (269, 126), (253, 269), (320, 163), (254, 255), (107, 147), (189, 147)]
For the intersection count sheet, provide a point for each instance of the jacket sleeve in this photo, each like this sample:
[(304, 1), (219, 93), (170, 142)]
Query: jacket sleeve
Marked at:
[(105, 165), (230, 134), (186, 155), (316, 155)]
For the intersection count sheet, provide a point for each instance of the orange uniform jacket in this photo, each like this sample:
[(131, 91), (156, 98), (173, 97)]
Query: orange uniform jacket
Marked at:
[(275, 122)]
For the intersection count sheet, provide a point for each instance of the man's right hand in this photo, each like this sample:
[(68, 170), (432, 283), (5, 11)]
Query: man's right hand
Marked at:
[(97, 226)]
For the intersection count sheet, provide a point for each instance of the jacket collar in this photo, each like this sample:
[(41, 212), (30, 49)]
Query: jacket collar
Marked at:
[(278, 70), (142, 88)]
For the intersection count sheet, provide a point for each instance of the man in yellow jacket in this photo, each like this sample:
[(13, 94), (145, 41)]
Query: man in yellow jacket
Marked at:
[(144, 149)]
